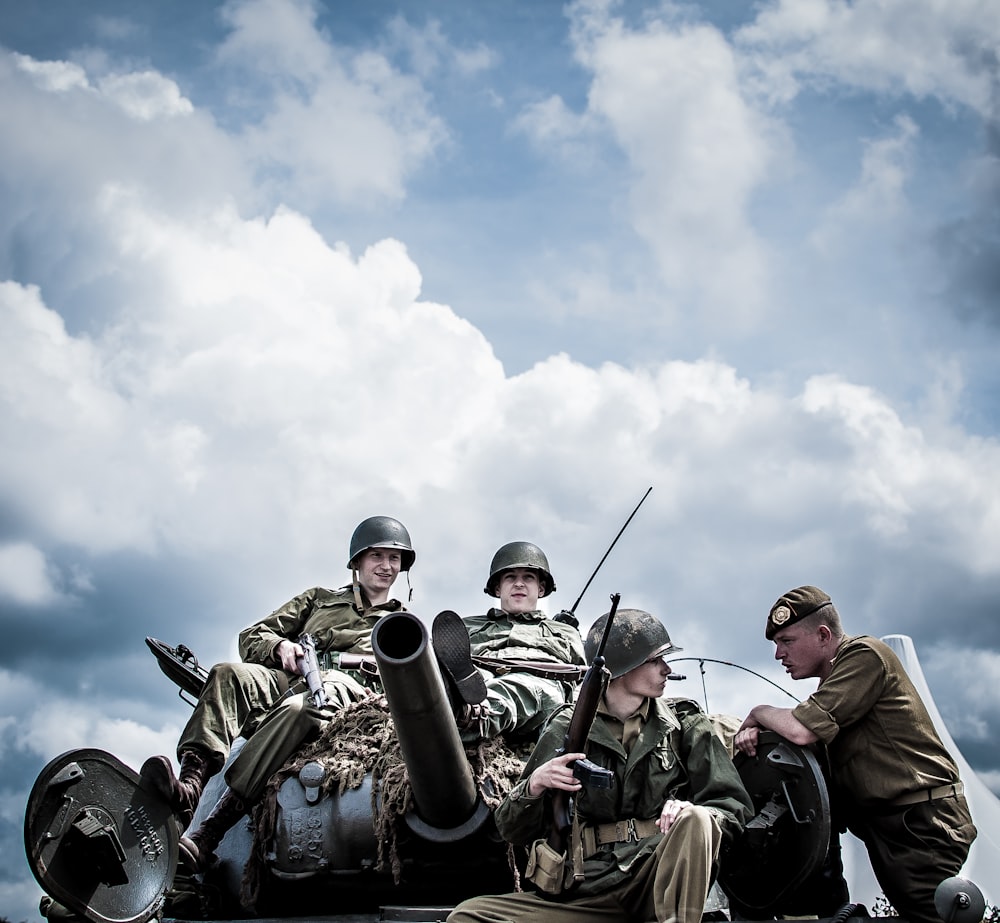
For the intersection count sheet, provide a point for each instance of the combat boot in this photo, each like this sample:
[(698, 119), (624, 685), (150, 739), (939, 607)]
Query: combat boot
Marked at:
[(197, 851), (464, 683), (182, 794)]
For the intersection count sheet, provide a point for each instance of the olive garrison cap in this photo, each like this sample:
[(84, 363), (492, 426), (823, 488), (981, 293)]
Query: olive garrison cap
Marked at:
[(794, 606)]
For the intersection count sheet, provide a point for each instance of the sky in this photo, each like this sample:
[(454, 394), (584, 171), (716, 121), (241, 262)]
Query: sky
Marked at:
[(270, 267)]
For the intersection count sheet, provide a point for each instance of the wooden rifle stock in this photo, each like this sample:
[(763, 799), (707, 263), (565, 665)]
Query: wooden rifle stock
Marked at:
[(575, 741)]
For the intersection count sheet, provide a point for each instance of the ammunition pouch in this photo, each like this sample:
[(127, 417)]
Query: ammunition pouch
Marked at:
[(553, 872), (546, 868)]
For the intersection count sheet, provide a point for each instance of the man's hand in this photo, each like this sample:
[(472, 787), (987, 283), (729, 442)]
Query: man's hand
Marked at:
[(770, 718), (746, 738), (556, 773), (671, 811), (288, 652)]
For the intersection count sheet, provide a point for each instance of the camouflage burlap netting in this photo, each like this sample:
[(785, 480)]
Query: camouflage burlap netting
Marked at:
[(361, 739)]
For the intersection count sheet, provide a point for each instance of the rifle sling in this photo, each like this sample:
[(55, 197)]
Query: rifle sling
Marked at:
[(568, 672)]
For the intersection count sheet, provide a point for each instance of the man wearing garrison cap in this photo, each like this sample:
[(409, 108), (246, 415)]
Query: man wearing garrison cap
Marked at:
[(893, 783)]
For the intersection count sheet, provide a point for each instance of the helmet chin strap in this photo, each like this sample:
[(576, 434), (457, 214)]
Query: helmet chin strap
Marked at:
[(356, 586)]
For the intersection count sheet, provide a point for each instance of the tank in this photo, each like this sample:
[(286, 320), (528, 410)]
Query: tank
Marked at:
[(330, 851), (405, 839)]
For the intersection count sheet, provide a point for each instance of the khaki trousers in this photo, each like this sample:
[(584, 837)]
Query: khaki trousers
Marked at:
[(234, 694), (291, 723), (671, 885)]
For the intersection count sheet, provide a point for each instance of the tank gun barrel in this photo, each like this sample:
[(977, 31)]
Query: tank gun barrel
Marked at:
[(447, 802)]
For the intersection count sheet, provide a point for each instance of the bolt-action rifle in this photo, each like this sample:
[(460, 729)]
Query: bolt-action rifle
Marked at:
[(308, 665), (575, 741)]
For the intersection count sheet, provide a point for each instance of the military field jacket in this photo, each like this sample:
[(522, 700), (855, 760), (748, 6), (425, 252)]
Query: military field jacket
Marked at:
[(880, 738), (329, 616), (676, 756), (524, 636)]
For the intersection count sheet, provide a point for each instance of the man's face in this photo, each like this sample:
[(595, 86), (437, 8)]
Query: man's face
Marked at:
[(378, 569), (802, 649), (519, 589), (648, 680)]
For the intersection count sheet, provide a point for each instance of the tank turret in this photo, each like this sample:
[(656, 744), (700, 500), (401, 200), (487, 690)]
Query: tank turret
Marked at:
[(384, 809)]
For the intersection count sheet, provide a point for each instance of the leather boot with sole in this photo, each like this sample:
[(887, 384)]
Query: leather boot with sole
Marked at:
[(181, 793), (197, 851), (453, 650)]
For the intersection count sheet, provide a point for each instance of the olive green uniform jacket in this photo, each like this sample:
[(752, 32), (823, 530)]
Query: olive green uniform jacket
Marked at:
[(676, 756), (893, 782), (237, 696)]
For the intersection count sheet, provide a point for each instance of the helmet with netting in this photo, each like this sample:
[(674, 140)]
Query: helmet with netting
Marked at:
[(636, 636)]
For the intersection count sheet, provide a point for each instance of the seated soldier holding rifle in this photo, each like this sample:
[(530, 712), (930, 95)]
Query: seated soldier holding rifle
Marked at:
[(263, 698), (646, 847)]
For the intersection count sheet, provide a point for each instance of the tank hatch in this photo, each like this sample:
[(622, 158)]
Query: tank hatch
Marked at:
[(97, 842), (788, 838)]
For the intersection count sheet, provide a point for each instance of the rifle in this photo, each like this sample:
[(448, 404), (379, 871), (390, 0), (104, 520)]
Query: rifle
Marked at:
[(569, 615), (308, 665), (575, 741)]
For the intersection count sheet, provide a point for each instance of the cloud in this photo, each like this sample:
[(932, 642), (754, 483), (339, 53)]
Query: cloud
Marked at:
[(146, 95), (24, 576), (922, 48), (877, 203), (428, 49), (327, 124), (668, 92)]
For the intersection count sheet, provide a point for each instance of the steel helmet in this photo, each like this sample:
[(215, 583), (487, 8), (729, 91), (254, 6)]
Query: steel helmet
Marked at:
[(636, 636), (519, 554), (382, 532)]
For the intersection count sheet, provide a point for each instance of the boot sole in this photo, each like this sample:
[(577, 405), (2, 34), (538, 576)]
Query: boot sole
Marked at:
[(451, 643), (157, 777)]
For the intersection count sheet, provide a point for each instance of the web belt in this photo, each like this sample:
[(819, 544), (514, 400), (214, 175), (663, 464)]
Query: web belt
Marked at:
[(928, 794)]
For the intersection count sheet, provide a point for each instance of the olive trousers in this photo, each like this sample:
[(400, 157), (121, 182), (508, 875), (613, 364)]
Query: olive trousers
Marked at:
[(235, 694), (671, 885), (519, 703), (914, 849), (294, 721)]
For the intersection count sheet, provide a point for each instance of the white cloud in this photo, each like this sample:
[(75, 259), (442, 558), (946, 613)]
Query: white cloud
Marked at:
[(878, 202), (911, 488), (922, 47), (53, 76), (24, 575), (271, 378), (698, 149), (145, 95), (346, 124), (429, 48)]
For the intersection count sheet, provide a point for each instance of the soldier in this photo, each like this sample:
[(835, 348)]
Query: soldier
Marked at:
[(530, 662), (239, 698), (893, 782), (649, 843)]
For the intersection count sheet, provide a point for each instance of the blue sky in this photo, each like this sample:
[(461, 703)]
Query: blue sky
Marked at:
[(270, 267)]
